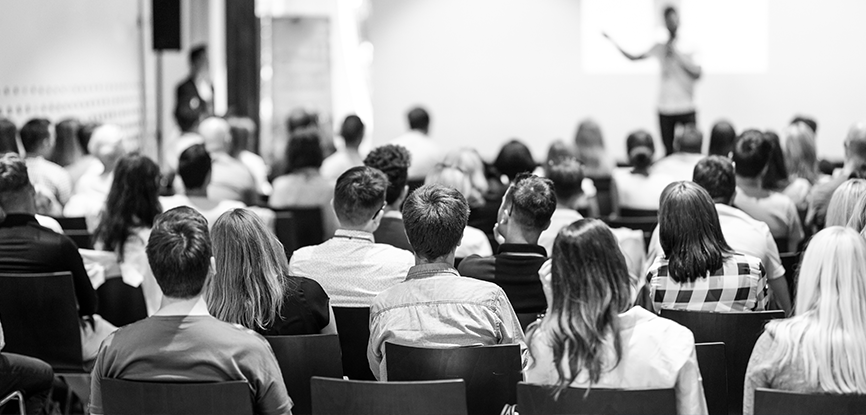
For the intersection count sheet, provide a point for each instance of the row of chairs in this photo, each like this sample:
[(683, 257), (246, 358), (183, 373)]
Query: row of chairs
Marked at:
[(338, 397)]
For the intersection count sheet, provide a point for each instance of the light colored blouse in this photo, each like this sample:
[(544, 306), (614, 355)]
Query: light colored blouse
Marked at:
[(656, 353)]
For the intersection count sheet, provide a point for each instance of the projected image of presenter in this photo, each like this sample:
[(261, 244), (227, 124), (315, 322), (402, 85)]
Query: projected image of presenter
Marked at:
[(679, 73)]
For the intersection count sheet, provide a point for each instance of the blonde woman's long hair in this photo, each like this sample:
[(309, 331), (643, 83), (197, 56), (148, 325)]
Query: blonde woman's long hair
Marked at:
[(250, 281), (842, 203), (829, 325), (801, 157), (469, 161)]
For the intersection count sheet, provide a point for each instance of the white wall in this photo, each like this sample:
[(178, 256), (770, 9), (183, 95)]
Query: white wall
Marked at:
[(491, 70)]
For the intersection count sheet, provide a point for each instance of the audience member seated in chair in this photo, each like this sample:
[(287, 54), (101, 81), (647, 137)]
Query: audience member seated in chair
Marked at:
[(751, 157), (252, 286), (722, 138), (91, 190), (31, 376), (801, 164), (132, 205), (194, 168), (525, 213), (699, 270), (230, 178), (27, 247), (474, 240), (743, 234), (592, 337), (435, 306), (842, 205), (424, 151), (49, 179), (855, 160), (243, 131), (687, 153), (394, 161), (821, 348), (567, 178), (638, 187), (158, 348), (349, 156), (301, 184), (351, 266)]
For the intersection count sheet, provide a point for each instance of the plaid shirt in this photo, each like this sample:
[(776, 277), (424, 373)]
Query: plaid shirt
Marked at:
[(739, 285)]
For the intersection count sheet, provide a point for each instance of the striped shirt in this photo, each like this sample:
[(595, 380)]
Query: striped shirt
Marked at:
[(739, 285)]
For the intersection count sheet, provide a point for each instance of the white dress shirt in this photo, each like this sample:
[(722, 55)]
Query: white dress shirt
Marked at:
[(351, 267)]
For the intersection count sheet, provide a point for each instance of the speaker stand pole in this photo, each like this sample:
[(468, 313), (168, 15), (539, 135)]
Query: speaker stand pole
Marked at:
[(159, 138)]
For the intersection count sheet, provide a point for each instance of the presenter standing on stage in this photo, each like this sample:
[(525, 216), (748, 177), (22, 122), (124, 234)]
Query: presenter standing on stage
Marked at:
[(679, 74)]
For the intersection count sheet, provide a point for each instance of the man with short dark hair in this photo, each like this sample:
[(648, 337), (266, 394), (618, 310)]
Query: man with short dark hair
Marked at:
[(182, 342), (349, 156), (435, 306), (567, 177), (394, 161), (425, 153), (49, 179), (744, 234), (524, 214), (722, 138), (751, 160), (351, 266), (687, 153)]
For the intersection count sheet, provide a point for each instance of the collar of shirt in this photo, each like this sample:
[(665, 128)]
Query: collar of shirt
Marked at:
[(353, 235), (727, 210), (523, 250), (431, 270), (18, 219)]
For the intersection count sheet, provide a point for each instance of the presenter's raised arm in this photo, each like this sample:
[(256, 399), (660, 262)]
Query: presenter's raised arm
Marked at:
[(629, 56)]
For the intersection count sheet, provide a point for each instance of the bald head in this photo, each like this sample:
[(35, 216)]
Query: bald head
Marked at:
[(689, 141), (216, 134), (855, 143)]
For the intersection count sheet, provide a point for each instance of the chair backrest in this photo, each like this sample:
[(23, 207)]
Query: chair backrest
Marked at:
[(538, 400), (40, 318), (124, 397), (739, 332), (773, 402), (301, 358), (76, 229), (353, 326), (121, 304), (638, 213), (72, 223), (339, 397), (491, 373), (603, 195), (299, 227), (791, 263), (711, 360), (782, 244)]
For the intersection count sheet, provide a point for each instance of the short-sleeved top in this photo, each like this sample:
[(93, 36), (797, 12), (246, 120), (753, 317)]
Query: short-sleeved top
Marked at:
[(677, 90), (515, 269), (191, 349), (639, 191), (304, 311), (777, 211), (739, 285), (26, 246)]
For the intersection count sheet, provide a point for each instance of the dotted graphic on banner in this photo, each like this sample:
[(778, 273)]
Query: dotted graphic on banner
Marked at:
[(111, 102)]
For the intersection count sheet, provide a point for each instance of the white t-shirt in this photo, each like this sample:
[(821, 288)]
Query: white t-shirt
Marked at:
[(677, 89), (424, 151), (636, 191)]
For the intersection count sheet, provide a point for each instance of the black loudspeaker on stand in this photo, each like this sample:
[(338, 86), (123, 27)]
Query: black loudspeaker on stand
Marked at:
[(166, 24)]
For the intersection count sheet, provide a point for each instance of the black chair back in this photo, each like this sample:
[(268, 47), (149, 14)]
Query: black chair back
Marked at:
[(340, 397), (782, 244), (738, 331), (121, 304), (40, 318), (711, 360), (538, 400), (124, 397), (603, 195), (76, 229), (491, 373), (791, 263), (301, 358), (299, 227), (353, 326), (638, 213), (774, 402)]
